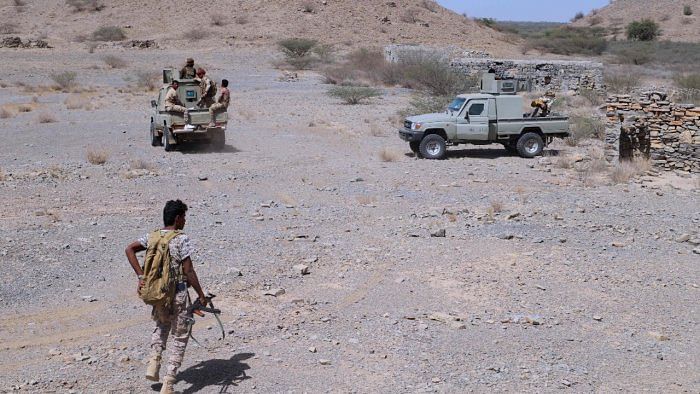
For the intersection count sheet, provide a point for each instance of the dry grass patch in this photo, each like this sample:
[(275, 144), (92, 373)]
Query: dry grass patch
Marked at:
[(141, 164), (497, 206), (195, 34), (8, 28), (85, 5), (64, 81), (388, 155), (46, 118), (3, 177), (623, 171), (76, 101), (114, 61), (147, 80), (241, 19), (219, 20), (108, 33), (25, 108), (97, 157), (565, 162), (366, 200), (6, 113)]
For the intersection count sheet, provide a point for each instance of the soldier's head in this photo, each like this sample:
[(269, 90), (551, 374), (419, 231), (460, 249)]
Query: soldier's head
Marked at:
[(174, 214), (224, 83), (175, 84), (189, 62), (200, 72)]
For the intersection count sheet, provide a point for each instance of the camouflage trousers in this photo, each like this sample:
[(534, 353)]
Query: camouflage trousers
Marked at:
[(175, 108), (216, 107), (173, 321)]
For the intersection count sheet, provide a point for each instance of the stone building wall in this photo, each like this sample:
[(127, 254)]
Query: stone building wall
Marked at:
[(566, 75), (648, 124)]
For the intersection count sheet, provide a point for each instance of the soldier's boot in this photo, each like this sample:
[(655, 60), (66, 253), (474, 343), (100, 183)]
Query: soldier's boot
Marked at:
[(187, 117), (213, 121), (168, 383), (153, 369)]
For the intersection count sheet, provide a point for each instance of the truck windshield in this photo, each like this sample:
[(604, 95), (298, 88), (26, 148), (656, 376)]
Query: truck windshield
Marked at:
[(456, 104)]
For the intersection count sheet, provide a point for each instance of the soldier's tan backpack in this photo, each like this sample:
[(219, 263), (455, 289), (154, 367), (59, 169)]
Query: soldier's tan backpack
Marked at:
[(159, 277)]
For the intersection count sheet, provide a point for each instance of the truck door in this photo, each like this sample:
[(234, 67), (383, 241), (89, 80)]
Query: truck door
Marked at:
[(477, 128)]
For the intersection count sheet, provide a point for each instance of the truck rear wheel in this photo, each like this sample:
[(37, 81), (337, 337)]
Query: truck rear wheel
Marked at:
[(156, 139), (530, 145), (432, 147), (167, 136)]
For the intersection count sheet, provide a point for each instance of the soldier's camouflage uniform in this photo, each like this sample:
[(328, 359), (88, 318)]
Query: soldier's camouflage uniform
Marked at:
[(205, 87), (188, 72), (172, 102), (222, 104), (175, 319)]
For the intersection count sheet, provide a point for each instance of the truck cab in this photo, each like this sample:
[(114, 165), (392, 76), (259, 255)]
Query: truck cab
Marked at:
[(492, 116)]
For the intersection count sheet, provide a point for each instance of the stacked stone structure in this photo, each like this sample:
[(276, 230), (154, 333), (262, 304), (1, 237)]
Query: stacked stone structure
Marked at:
[(565, 75), (649, 124)]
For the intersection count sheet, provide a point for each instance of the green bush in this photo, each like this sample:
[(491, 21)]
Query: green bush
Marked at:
[(644, 30), (65, 80), (662, 52), (579, 15), (585, 127), (108, 33), (434, 75), (297, 47), (687, 11), (424, 104), (571, 41), (353, 94)]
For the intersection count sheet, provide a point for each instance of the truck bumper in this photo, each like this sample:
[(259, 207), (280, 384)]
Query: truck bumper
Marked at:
[(410, 135)]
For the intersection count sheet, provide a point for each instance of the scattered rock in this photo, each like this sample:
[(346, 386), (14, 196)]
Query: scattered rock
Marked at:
[(439, 233), (597, 318), (301, 269), (683, 238), (202, 178), (312, 349), (274, 292), (323, 361), (659, 336)]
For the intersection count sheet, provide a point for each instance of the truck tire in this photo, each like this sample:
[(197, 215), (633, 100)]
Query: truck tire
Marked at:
[(415, 147), (167, 135), (432, 147), (218, 139), (156, 140), (530, 145)]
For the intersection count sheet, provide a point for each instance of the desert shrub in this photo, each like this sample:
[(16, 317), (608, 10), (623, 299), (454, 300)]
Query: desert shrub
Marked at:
[(410, 15), (388, 155), (592, 96), (353, 94), (297, 47), (114, 61), (689, 85), (19, 3), (85, 5), (324, 53), (65, 80), (308, 6), (97, 157), (687, 10), (644, 30), (75, 102), (623, 171), (579, 15), (108, 33), (141, 164), (3, 177), (635, 53), (429, 5), (434, 75), (5, 113), (621, 82), (425, 104), (585, 127), (219, 20), (8, 28), (488, 22), (46, 118), (25, 108), (147, 80), (241, 19), (195, 34), (570, 41), (595, 21)]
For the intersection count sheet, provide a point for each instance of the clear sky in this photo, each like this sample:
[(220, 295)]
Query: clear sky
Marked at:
[(524, 10)]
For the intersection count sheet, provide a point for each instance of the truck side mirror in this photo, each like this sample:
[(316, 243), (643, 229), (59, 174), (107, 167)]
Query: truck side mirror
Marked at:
[(153, 103)]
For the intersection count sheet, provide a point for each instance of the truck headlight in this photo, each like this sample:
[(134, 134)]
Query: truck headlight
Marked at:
[(416, 126)]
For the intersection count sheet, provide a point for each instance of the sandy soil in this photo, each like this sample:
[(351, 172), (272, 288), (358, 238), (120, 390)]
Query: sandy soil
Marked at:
[(547, 278)]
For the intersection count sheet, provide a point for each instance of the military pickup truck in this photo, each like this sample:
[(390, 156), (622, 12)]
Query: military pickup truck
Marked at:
[(493, 116), (169, 128)]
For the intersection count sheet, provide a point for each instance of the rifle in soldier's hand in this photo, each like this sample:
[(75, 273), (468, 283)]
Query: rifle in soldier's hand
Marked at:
[(198, 309)]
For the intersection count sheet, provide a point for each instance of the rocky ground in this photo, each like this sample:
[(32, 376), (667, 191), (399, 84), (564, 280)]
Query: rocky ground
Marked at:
[(483, 272)]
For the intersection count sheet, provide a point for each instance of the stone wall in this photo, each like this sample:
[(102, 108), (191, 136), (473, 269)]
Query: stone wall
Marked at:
[(566, 75), (648, 124)]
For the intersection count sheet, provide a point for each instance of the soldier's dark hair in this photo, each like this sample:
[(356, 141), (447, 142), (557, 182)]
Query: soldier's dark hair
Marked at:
[(172, 210), (224, 82)]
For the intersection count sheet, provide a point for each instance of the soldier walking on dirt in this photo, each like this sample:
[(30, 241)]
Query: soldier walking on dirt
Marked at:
[(173, 103), (205, 86), (221, 104), (189, 71), (174, 318)]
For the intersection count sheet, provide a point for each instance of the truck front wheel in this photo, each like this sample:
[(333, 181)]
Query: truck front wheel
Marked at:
[(156, 139), (167, 136), (530, 145), (415, 147), (432, 147)]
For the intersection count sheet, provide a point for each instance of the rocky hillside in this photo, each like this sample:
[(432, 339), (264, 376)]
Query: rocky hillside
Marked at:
[(178, 23), (669, 14)]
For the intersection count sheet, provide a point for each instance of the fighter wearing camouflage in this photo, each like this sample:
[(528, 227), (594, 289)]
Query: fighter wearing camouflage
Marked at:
[(173, 103), (222, 104), (205, 86), (175, 318), (189, 71), (543, 105)]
